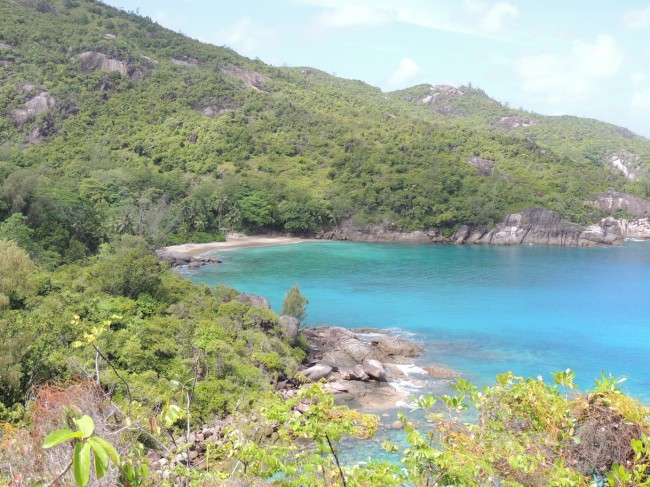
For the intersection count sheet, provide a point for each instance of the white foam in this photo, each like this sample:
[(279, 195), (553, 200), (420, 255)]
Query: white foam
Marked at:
[(409, 369)]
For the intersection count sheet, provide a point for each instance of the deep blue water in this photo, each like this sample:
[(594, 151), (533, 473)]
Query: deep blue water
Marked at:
[(482, 310)]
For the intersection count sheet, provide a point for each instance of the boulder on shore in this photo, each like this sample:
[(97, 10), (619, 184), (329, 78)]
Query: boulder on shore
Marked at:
[(317, 372), (254, 300), (177, 259), (374, 369)]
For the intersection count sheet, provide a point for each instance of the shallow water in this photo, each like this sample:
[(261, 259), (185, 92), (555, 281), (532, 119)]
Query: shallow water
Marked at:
[(482, 310)]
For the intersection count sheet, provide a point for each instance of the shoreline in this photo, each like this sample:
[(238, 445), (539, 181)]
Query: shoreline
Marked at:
[(233, 241)]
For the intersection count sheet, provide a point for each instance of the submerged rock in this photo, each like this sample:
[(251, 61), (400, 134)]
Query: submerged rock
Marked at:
[(440, 372)]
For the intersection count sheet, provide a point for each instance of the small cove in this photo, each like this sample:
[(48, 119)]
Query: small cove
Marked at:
[(482, 310)]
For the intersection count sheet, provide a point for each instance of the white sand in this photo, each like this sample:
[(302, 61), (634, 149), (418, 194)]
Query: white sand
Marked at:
[(233, 241)]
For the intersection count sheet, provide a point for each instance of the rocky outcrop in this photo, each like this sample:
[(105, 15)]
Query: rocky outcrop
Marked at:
[(636, 229), (612, 201), (511, 123), (626, 162), (34, 106), (177, 259), (254, 300), (185, 61), (538, 226), (483, 166), (214, 106), (392, 346), (96, 61), (250, 78), (380, 233), (358, 369)]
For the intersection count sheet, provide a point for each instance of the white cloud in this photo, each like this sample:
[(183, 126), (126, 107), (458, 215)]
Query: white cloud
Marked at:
[(571, 76), (637, 19), (497, 16), (476, 17), (490, 18), (245, 36), (405, 74)]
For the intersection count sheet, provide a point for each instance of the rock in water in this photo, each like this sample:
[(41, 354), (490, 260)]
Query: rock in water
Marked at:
[(442, 372), (397, 346)]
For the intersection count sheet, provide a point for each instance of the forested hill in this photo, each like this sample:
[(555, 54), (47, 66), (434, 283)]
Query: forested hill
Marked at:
[(111, 124)]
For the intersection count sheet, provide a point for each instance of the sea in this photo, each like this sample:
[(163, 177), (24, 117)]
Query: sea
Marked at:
[(480, 310)]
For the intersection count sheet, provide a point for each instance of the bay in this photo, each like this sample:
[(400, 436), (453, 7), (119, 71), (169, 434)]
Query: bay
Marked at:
[(482, 310)]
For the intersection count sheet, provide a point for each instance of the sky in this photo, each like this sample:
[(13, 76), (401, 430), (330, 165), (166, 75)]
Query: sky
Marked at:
[(578, 57)]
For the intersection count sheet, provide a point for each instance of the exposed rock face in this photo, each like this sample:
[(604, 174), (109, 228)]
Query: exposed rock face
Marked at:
[(515, 122), (613, 200), (34, 106), (213, 107), (626, 162), (483, 166), (535, 226), (638, 229), (185, 61), (380, 233), (250, 78), (437, 93), (538, 226), (93, 61)]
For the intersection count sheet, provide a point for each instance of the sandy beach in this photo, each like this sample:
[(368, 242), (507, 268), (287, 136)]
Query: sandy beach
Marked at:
[(233, 241)]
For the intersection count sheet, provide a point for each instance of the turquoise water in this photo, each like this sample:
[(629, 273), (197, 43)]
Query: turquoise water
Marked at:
[(482, 310)]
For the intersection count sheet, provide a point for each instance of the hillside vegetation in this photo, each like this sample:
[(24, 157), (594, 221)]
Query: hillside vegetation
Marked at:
[(111, 124)]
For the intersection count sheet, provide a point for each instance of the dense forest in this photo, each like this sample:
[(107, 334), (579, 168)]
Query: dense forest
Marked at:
[(118, 136)]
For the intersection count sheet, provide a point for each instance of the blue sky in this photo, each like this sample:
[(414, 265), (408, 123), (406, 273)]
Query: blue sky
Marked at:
[(585, 58)]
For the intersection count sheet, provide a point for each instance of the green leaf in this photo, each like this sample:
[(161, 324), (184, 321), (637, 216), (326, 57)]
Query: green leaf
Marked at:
[(109, 449), (101, 457), (81, 463), (128, 472), (59, 436), (85, 425)]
